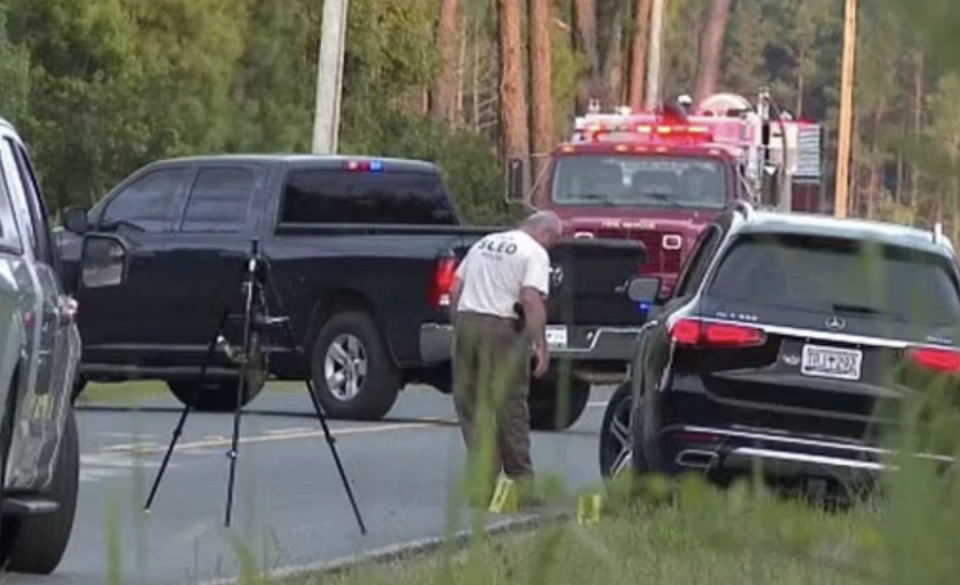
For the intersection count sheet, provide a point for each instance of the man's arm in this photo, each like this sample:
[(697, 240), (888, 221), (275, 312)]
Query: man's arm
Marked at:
[(535, 314)]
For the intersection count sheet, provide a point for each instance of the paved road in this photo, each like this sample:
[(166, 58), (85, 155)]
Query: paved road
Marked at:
[(290, 507)]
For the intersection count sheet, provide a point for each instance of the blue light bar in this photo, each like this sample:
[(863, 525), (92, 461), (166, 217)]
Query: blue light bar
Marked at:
[(376, 166)]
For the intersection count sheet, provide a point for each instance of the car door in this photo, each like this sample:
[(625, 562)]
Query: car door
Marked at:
[(53, 345), (129, 324), (211, 239)]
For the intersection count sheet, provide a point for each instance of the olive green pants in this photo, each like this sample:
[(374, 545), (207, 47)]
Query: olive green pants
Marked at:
[(491, 381)]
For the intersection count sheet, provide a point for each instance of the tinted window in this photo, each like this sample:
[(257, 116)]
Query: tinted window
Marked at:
[(833, 275), (699, 261), (219, 200), (148, 202), (640, 180), (327, 196)]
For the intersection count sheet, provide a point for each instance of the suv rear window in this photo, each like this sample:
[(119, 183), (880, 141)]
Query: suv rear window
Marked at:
[(324, 196), (830, 274)]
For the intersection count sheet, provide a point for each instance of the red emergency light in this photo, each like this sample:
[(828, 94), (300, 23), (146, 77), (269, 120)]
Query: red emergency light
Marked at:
[(669, 133), (364, 166)]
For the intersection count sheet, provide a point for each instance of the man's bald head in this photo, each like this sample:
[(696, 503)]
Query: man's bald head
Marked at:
[(543, 226)]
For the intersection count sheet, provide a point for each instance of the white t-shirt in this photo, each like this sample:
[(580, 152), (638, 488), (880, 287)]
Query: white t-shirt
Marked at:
[(497, 267)]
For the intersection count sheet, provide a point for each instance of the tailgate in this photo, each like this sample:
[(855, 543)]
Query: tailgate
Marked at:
[(590, 275)]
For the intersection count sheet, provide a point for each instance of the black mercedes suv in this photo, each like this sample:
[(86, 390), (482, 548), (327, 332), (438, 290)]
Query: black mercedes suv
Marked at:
[(780, 345)]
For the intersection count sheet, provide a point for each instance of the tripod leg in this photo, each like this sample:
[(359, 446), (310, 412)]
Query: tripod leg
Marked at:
[(166, 457), (178, 430), (336, 457), (241, 388), (297, 347)]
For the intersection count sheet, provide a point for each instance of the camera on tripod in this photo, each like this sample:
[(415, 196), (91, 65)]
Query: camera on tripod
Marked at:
[(256, 286)]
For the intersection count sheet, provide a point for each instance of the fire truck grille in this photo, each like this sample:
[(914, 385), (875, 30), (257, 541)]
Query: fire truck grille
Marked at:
[(658, 259)]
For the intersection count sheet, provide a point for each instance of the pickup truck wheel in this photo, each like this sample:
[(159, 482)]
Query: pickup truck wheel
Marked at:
[(36, 544), (544, 404), (352, 370), (213, 395)]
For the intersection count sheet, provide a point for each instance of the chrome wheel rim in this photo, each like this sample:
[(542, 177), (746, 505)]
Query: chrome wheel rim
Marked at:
[(620, 436), (345, 366)]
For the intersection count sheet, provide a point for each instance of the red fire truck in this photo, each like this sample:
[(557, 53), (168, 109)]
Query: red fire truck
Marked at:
[(661, 176)]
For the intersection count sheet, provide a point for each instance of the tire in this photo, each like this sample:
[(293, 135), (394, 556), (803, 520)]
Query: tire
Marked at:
[(544, 404), (212, 395), (220, 395), (36, 544), (615, 433), (352, 370), (79, 384)]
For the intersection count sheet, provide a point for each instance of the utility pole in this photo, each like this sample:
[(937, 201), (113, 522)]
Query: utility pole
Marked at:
[(333, 30), (841, 199), (653, 61)]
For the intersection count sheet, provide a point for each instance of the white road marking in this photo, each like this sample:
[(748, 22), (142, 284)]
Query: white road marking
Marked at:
[(139, 448), (600, 404), (98, 466)]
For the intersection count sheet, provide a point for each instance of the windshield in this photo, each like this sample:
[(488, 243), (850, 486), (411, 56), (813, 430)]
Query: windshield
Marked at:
[(839, 276), (640, 180)]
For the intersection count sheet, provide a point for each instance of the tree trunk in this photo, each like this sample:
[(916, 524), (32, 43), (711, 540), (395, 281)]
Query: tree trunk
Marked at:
[(917, 122), (638, 54), (445, 92), (801, 83), (475, 82), (513, 103), (585, 16), (459, 118), (876, 165), (612, 64), (541, 93), (711, 49)]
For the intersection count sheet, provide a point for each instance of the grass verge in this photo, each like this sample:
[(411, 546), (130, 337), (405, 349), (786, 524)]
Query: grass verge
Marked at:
[(138, 392), (706, 537)]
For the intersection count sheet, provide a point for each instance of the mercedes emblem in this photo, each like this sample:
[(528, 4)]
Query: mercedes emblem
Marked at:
[(835, 323)]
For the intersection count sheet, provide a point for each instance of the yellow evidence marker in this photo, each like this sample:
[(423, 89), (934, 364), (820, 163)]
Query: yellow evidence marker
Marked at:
[(504, 500), (589, 508)]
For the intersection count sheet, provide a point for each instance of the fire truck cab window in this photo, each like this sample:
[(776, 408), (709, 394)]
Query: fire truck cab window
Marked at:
[(322, 196), (644, 180)]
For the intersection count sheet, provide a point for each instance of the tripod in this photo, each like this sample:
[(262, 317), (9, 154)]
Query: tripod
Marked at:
[(256, 321)]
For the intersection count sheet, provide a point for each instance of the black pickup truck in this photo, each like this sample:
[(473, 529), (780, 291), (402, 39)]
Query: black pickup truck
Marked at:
[(362, 251)]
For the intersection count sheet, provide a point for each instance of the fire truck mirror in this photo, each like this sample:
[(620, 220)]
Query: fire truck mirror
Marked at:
[(515, 181)]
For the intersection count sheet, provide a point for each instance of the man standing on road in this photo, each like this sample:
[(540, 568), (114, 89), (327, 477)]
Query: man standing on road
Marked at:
[(491, 366)]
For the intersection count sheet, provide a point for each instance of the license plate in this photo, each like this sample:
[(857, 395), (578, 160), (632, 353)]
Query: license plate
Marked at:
[(831, 362), (556, 336)]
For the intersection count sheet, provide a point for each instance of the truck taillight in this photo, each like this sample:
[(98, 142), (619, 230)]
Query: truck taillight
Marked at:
[(443, 277)]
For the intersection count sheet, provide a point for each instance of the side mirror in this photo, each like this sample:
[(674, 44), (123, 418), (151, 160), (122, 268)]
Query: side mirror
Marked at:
[(643, 289), (516, 170), (75, 220), (103, 261)]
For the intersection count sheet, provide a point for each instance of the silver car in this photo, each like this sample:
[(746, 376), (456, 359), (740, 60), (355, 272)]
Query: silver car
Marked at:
[(39, 353)]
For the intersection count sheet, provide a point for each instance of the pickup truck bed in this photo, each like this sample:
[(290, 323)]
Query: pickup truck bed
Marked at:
[(365, 296)]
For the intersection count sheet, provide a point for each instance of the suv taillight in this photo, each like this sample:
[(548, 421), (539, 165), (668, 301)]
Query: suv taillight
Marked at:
[(705, 333), (938, 360), (443, 276)]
